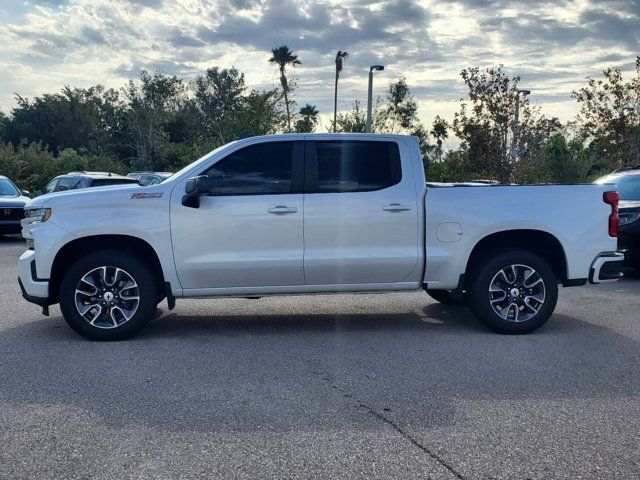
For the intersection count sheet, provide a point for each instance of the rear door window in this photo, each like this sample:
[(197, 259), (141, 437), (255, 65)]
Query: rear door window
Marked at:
[(352, 166)]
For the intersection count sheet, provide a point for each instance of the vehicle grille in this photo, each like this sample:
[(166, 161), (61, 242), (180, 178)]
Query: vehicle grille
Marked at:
[(7, 213)]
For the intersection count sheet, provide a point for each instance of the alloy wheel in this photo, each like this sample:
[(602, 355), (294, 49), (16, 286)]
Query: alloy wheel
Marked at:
[(107, 297), (517, 293)]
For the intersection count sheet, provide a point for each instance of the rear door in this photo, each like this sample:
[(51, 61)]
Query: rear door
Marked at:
[(361, 213)]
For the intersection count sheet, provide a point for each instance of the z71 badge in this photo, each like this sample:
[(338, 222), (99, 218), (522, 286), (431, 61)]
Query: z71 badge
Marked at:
[(146, 195)]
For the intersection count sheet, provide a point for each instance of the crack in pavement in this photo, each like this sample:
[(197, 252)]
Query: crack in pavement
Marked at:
[(392, 424)]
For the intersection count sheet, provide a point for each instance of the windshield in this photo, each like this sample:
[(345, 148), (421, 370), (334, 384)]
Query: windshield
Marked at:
[(7, 188), (628, 185)]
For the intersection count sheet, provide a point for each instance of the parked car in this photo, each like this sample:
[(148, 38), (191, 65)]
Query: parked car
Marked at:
[(150, 178), (627, 182), (12, 202), (314, 213), (76, 180)]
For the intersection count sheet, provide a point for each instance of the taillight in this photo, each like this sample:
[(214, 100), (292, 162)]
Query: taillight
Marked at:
[(612, 198)]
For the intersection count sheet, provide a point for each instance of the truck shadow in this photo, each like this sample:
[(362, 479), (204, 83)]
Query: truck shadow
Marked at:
[(309, 371)]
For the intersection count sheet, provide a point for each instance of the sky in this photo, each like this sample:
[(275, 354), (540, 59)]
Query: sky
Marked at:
[(551, 45)]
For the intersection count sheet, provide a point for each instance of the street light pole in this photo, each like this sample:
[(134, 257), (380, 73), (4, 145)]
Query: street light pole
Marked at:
[(516, 122), (626, 111), (370, 94)]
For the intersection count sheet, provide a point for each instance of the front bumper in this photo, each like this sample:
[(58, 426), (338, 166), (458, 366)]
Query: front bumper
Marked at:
[(34, 289), (606, 268), (10, 227)]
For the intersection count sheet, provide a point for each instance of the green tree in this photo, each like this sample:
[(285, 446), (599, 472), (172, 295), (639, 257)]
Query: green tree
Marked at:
[(32, 166), (3, 123), (282, 57), (341, 57), (439, 131), (452, 168), (261, 113), (560, 160), (70, 119), (218, 95), (610, 113), (565, 161), (153, 102), (398, 113), (486, 126), (309, 119), (353, 121)]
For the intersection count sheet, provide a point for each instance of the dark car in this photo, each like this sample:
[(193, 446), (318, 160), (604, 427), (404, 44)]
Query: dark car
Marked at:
[(75, 180), (12, 201), (627, 182)]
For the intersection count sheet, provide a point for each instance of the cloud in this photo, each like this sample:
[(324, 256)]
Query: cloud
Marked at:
[(180, 39), (553, 46), (148, 3)]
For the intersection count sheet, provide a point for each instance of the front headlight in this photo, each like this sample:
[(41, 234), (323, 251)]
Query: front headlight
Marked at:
[(37, 214), (33, 216)]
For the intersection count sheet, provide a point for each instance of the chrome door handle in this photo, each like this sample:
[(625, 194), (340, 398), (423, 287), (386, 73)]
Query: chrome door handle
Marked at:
[(282, 210), (396, 207)]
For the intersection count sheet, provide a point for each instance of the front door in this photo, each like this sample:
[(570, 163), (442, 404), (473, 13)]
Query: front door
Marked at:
[(247, 231)]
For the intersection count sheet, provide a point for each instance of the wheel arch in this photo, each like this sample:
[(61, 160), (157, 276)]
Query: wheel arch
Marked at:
[(81, 246), (539, 242)]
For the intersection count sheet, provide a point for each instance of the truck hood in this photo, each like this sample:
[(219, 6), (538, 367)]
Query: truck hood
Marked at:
[(99, 196), (13, 202)]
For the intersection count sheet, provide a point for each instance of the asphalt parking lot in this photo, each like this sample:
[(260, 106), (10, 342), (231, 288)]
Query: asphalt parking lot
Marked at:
[(366, 386)]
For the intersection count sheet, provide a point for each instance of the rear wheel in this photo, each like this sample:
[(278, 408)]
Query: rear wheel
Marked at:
[(108, 295), (514, 292), (447, 297)]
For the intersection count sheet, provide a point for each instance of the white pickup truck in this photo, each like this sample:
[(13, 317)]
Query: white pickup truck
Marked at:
[(310, 214)]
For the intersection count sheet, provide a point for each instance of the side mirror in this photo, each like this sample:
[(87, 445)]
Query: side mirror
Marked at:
[(25, 193), (194, 189)]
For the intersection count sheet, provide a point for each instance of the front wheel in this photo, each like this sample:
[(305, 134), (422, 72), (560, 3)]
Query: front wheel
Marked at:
[(514, 292), (108, 295)]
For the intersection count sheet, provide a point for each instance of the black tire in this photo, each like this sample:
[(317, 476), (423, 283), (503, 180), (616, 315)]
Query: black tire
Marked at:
[(480, 298), (447, 297), (147, 290)]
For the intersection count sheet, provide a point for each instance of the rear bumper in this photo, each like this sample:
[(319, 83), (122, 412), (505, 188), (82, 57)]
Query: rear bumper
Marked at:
[(34, 290), (606, 268), (629, 244)]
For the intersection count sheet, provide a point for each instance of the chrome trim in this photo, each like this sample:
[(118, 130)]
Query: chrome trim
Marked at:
[(598, 263)]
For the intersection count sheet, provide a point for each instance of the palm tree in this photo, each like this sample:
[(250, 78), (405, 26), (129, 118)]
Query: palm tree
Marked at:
[(439, 132), (309, 119), (283, 57), (341, 57)]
